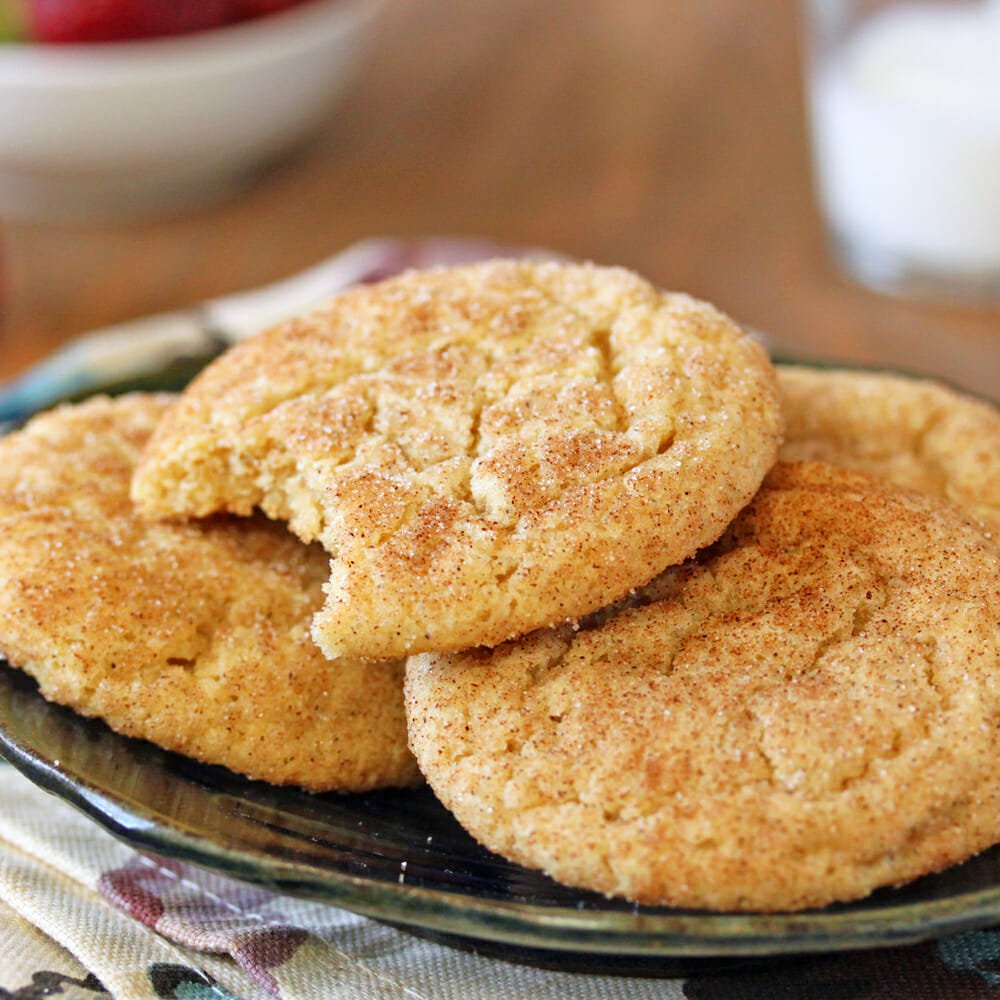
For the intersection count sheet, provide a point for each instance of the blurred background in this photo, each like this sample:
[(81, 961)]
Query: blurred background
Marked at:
[(667, 137)]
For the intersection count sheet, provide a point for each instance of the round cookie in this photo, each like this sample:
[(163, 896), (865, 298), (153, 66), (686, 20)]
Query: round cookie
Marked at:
[(807, 711), (914, 432), (483, 450), (193, 636)]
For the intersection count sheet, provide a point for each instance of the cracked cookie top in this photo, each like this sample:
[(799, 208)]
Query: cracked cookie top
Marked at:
[(808, 710), (482, 450), (917, 433), (193, 636)]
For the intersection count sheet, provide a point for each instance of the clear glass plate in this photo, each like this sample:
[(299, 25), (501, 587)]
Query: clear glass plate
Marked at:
[(400, 857)]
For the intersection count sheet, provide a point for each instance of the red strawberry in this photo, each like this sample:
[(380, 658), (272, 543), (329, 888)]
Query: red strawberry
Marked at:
[(260, 8), (117, 20)]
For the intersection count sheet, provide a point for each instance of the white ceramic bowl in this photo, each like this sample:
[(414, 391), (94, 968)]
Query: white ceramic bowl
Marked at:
[(152, 127)]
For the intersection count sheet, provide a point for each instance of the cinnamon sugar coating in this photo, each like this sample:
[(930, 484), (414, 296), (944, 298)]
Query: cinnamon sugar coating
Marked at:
[(807, 711), (914, 432), (193, 636), (482, 450)]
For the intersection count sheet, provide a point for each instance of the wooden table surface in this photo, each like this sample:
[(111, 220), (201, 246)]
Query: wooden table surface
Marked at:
[(666, 137)]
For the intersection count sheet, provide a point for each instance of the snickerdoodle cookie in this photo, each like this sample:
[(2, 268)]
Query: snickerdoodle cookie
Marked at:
[(808, 710), (482, 450), (914, 432), (194, 636)]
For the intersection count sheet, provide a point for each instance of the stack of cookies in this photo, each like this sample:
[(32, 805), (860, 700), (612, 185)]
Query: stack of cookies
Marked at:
[(672, 625)]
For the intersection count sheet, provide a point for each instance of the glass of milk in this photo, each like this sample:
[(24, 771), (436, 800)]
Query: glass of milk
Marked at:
[(905, 104)]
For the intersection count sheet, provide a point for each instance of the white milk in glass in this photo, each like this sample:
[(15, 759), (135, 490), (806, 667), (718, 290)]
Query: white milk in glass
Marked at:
[(906, 116)]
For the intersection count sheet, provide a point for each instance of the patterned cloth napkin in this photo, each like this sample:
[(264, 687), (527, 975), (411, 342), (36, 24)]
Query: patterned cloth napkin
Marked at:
[(82, 916)]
